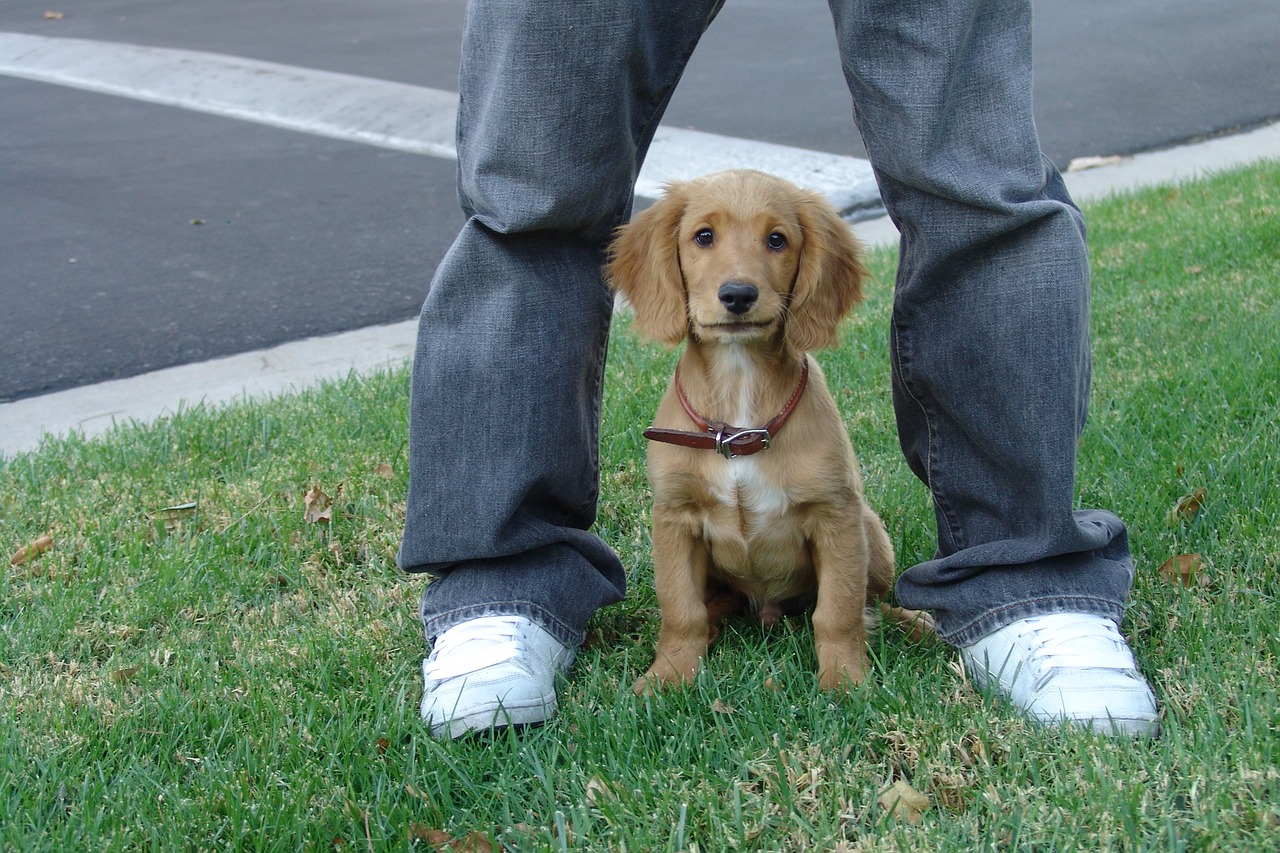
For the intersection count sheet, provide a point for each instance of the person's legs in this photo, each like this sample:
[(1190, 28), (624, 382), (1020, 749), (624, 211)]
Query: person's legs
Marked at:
[(558, 103), (990, 338)]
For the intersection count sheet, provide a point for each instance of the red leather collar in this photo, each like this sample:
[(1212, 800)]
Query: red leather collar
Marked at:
[(729, 441)]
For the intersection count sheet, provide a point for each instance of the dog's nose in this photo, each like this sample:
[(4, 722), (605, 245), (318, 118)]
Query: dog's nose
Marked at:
[(738, 297)]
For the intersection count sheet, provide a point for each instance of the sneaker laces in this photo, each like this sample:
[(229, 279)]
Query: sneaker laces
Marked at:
[(489, 641), (1075, 641)]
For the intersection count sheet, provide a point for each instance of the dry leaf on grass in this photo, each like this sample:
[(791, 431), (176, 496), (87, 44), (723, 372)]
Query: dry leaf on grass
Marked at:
[(422, 832), (120, 676), (172, 518), (904, 802), (1187, 506), (317, 506), (952, 790), (438, 839), (1186, 569), (415, 792), (30, 552), (473, 842), (384, 470), (598, 791), (720, 707)]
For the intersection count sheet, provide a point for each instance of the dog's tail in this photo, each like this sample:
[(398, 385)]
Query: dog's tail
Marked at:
[(917, 623)]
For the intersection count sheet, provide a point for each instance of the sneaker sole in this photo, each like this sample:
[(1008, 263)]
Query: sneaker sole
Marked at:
[(495, 716)]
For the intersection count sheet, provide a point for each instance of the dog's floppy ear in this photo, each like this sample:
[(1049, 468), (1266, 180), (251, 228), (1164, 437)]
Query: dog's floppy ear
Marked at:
[(829, 279), (644, 265)]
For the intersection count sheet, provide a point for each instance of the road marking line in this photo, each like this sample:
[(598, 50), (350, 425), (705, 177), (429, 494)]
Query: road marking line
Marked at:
[(399, 116)]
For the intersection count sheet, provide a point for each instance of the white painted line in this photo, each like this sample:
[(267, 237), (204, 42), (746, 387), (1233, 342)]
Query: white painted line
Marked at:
[(324, 103), (378, 112)]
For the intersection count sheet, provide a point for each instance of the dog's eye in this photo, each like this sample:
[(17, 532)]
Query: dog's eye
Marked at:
[(777, 241), (704, 237)]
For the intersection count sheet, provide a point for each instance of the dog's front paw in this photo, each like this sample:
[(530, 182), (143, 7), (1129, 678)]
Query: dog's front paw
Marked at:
[(842, 669), (667, 672)]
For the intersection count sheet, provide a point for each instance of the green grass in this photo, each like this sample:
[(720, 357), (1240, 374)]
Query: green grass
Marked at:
[(231, 676)]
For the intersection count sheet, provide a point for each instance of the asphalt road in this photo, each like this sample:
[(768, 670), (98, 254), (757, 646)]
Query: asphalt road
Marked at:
[(135, 236)]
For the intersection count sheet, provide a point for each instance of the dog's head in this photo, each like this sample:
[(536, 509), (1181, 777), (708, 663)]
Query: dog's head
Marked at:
[(738, 256)]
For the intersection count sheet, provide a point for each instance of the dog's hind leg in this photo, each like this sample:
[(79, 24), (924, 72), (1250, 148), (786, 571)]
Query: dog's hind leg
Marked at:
[(880, 573), (880, 561), (722, 602)]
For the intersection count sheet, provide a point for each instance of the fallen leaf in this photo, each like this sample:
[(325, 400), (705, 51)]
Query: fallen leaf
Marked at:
[(384, 471), (598, 790), (952, 790), (474, 842), (904, 802), (30, 552), (383, 744), (318, 507), (172, 518), (720, 707), (414, 792), (435, 837), (1184, 569), (120, 676), (1187, 506), (971, 750)]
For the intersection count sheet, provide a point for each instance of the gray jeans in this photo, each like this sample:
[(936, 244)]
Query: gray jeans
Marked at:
[(990, 349)]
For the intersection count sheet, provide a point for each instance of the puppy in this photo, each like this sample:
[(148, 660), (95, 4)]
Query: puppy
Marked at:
[(757, 495)]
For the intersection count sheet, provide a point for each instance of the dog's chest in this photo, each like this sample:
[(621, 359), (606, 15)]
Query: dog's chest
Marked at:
[(742, 488), (753, 536)]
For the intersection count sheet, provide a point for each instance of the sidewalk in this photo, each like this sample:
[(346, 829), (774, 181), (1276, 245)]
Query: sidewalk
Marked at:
[(94, 409)]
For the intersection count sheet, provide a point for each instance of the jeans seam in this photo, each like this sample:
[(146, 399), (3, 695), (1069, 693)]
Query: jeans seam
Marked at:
[(592, 500), (932, 463)]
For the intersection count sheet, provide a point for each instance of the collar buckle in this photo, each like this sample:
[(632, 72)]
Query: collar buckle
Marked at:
[(725, 440)]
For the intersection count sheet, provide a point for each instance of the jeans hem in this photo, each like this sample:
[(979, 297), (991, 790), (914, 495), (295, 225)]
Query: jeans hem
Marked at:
[(994, 620), (441, 622)]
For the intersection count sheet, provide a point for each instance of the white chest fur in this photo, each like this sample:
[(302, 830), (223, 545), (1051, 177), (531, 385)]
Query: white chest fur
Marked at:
[(742, 487), (740, 484)]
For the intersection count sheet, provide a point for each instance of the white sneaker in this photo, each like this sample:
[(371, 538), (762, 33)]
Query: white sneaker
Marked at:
[(1071, 667), (491, 672)]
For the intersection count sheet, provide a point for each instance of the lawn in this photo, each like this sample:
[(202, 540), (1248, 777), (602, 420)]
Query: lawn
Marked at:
[(205, 643)]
